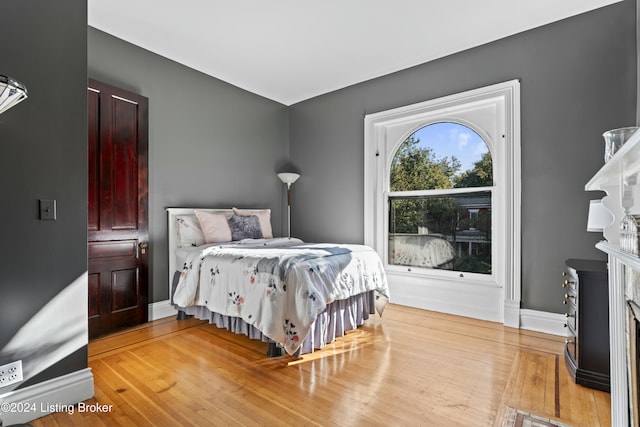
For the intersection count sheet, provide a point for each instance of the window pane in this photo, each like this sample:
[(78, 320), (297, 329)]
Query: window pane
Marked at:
[(451, 232), (440, 156)]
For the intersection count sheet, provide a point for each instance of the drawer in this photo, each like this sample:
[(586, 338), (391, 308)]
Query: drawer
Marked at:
[(571, 349), (570, 295), (570, 282), (569, 298), (570, 322)]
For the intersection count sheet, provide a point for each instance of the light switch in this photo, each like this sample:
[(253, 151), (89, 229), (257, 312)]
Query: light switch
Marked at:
[(47, 209)]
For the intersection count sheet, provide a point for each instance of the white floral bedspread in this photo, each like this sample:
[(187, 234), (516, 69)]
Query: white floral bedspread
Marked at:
[(279, 285)]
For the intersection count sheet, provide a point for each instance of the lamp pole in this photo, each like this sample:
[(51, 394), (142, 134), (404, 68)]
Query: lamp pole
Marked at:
[(289, 209), (288, 178)]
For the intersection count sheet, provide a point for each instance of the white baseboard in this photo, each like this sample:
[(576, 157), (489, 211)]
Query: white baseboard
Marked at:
[(541, 321), (54, 395), (511, 313), (469, 300), (161, 309)]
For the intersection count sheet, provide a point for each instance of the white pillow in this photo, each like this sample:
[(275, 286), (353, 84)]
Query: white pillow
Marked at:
[(264, 216), (215, 226), (189, 231)]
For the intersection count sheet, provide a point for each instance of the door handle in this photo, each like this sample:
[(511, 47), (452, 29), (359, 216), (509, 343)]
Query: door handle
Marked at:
[(143, 247)]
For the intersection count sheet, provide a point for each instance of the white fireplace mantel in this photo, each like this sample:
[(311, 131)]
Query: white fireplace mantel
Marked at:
[(618, 321), (618, 178)]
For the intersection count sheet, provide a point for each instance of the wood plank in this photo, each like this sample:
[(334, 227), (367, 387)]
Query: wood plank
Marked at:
[(409, 367)]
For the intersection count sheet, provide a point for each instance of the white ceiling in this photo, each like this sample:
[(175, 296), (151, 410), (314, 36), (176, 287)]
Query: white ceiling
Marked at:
[(292, 50)]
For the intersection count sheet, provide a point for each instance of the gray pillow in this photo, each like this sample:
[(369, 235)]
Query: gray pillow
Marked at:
[(245, 227)]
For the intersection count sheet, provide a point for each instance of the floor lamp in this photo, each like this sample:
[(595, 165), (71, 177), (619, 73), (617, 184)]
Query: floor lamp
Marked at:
[(288, 178)]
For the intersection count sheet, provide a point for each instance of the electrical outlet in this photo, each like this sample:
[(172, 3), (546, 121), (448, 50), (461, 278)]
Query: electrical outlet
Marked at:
[(10, 373)]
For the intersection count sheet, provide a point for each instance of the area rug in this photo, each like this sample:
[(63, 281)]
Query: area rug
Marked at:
[(517, 418)]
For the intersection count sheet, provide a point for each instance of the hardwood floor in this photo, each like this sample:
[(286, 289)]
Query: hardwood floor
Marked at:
[(410, 367)]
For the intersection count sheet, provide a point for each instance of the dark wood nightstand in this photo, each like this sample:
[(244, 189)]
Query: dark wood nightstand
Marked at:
[(587, 300)]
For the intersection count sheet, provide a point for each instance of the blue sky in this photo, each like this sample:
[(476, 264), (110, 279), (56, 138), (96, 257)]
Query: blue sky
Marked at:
[(452, 139)]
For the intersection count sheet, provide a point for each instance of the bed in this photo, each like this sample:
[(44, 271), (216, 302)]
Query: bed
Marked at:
[(297, 296)]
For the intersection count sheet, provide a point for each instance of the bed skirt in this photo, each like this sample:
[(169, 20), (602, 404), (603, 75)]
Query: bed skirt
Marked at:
[(337, 318)]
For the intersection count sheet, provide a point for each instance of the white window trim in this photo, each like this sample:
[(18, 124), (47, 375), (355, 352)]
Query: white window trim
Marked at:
[(499, 300)]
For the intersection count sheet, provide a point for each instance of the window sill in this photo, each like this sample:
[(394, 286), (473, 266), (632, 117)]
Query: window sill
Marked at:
[(465, 278)]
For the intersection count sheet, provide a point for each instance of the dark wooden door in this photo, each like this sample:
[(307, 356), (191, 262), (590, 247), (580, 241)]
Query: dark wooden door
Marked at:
[(117, 208)]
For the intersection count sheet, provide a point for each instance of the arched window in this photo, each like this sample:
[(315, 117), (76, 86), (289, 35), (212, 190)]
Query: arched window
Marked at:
[(440, 200)]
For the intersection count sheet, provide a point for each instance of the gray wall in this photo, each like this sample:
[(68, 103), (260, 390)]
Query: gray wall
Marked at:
[(211, 144), (43, 155), (578, 79)]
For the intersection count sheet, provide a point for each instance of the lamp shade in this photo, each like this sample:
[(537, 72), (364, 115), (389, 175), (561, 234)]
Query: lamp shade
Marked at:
[(11, 93), (288, 177), (599, 216)]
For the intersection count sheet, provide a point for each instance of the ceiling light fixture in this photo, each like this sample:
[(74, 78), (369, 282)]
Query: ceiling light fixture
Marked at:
[(12, 92)]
